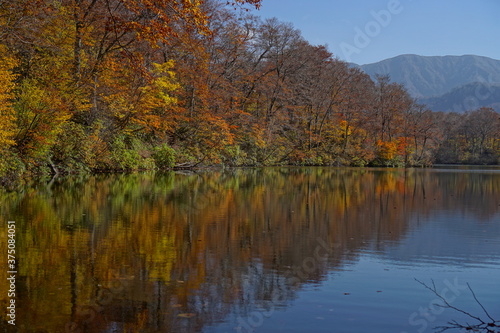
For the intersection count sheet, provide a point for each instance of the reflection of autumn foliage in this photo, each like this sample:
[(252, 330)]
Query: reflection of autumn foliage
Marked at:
[(184, 244)]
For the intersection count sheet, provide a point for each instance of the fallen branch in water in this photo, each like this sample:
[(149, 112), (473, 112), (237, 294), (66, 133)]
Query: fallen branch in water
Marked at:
[(488, 325)]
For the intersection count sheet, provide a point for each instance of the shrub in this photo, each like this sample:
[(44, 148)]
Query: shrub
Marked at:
[(164, 157), (123, 154), (12, 169), (73, 150)]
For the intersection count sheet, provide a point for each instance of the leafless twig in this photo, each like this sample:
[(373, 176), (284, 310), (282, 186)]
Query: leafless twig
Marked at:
[(482, 325)]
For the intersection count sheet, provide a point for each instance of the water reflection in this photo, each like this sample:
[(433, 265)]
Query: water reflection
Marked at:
[(176, 252)]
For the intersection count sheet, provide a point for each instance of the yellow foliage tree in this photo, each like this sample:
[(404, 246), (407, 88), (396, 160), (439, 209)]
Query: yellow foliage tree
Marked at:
[(41, 114), (7, 113), (138, 104)]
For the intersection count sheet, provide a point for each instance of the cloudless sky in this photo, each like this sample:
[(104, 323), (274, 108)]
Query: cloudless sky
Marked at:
[(360, 31)]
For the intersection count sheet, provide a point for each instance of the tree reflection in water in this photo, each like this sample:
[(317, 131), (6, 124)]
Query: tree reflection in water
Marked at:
[(174, 252)]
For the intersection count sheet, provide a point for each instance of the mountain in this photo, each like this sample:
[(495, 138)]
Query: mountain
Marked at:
[(443, 81), (467, 97)]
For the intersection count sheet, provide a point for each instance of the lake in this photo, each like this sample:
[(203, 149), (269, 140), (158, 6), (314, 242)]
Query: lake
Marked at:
[(255, 250)]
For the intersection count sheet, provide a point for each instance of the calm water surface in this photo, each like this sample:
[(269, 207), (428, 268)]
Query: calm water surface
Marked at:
[(255, 250)]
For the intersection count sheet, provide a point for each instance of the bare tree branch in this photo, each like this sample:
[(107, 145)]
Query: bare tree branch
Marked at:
[(484, 326)]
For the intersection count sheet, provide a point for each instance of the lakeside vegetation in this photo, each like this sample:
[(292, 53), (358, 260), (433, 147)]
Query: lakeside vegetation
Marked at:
[(110, 85)]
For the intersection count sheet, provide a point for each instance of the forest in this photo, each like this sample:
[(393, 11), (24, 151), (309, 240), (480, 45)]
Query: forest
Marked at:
[(118, 85)]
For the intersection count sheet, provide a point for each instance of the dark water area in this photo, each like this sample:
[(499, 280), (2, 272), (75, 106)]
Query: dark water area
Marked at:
[(254, 250)]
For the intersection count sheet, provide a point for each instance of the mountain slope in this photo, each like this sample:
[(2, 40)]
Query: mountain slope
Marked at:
[(426, 77), (468, 97)]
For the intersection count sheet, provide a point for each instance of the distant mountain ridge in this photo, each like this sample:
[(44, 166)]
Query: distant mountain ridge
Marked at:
[(468, 97), (446, 83)]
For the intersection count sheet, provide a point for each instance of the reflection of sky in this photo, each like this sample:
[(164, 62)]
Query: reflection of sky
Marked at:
[(376, 291), (449, 239), (376, 295)]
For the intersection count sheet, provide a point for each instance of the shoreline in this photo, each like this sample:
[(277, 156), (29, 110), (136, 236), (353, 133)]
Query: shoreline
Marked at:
[(33, 179)]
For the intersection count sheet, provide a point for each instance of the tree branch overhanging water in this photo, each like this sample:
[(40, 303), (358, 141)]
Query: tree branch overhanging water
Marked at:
[(483, 325)]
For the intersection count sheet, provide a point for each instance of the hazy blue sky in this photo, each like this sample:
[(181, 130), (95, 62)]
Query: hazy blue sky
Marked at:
[(366, 31)]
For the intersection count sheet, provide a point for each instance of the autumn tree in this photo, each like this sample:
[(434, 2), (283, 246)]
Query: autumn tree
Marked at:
[(10, 166), (386, 119), (480, 131), (356, 143), (422, 134), (342, 129), (276, 56), (324, 108), (452, 146), (7, 113)]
